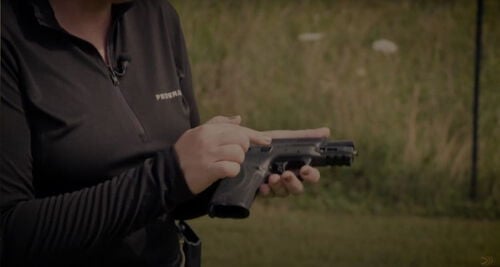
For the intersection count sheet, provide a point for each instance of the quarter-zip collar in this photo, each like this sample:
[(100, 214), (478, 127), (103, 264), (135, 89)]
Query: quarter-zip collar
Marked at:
[(45, 16)]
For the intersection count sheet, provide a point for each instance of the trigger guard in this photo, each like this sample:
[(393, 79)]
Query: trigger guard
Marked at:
[(281, 166)]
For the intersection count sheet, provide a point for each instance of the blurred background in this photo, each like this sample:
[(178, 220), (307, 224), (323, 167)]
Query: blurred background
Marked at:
[(394, 76)]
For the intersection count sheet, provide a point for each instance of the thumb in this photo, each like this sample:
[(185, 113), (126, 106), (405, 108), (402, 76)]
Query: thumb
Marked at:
[(223, 119)]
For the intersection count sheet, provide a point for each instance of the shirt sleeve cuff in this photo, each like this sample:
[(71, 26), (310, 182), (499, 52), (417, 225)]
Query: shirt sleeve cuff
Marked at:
[(177, 190)]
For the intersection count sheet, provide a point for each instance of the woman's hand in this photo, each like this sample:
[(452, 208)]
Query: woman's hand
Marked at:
[(215, 150), (288, 183)]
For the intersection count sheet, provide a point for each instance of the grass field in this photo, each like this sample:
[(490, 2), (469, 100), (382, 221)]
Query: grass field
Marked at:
[(274, 237), (404, 200), (409, 112)]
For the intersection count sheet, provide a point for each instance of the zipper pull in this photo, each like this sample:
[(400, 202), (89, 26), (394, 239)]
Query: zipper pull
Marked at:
[(113, 76)]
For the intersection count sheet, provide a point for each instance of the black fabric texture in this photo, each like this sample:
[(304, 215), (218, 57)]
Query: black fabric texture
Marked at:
[(88, 173)]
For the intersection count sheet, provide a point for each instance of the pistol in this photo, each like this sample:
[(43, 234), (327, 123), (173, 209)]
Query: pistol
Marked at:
[(233, 197)]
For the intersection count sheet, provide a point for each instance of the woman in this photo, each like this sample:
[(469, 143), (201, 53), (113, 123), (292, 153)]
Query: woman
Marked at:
[(101, 147)]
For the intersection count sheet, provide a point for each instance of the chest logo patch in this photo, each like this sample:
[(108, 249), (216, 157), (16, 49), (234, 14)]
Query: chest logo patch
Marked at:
[(168, 95)]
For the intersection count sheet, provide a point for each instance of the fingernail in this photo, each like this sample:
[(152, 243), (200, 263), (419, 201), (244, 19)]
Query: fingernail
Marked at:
[(305, 172), (236, 117), (327, 130), (273, 179), (268, 139)]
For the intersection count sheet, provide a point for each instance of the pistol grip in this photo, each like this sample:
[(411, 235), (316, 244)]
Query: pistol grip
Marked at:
[(234, 196)]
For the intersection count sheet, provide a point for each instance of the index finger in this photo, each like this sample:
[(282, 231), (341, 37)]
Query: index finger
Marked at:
[(224, 119), (257, 137), (306, 133)]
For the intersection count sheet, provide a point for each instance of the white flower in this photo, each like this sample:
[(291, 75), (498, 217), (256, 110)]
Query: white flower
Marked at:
[(385, 46), (310, 36)]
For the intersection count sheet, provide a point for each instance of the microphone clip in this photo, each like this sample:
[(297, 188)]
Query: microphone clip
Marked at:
[(123, 62)]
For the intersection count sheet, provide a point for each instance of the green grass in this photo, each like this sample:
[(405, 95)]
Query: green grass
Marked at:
[(408, 112), (282, 237), (403, 201)]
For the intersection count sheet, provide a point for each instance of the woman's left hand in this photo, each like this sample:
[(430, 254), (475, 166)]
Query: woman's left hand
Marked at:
[(288, 183)]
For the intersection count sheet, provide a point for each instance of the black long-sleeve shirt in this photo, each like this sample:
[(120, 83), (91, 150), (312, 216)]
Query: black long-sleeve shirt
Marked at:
[(88, 174)]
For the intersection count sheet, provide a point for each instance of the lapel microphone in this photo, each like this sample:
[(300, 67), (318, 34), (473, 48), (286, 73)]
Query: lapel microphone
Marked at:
[(123, 62)]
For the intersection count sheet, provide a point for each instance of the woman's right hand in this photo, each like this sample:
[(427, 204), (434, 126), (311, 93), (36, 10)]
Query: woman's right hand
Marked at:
[(215, 150)]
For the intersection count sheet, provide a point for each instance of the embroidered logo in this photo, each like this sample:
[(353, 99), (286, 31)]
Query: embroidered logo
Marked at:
[(168, 95)]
